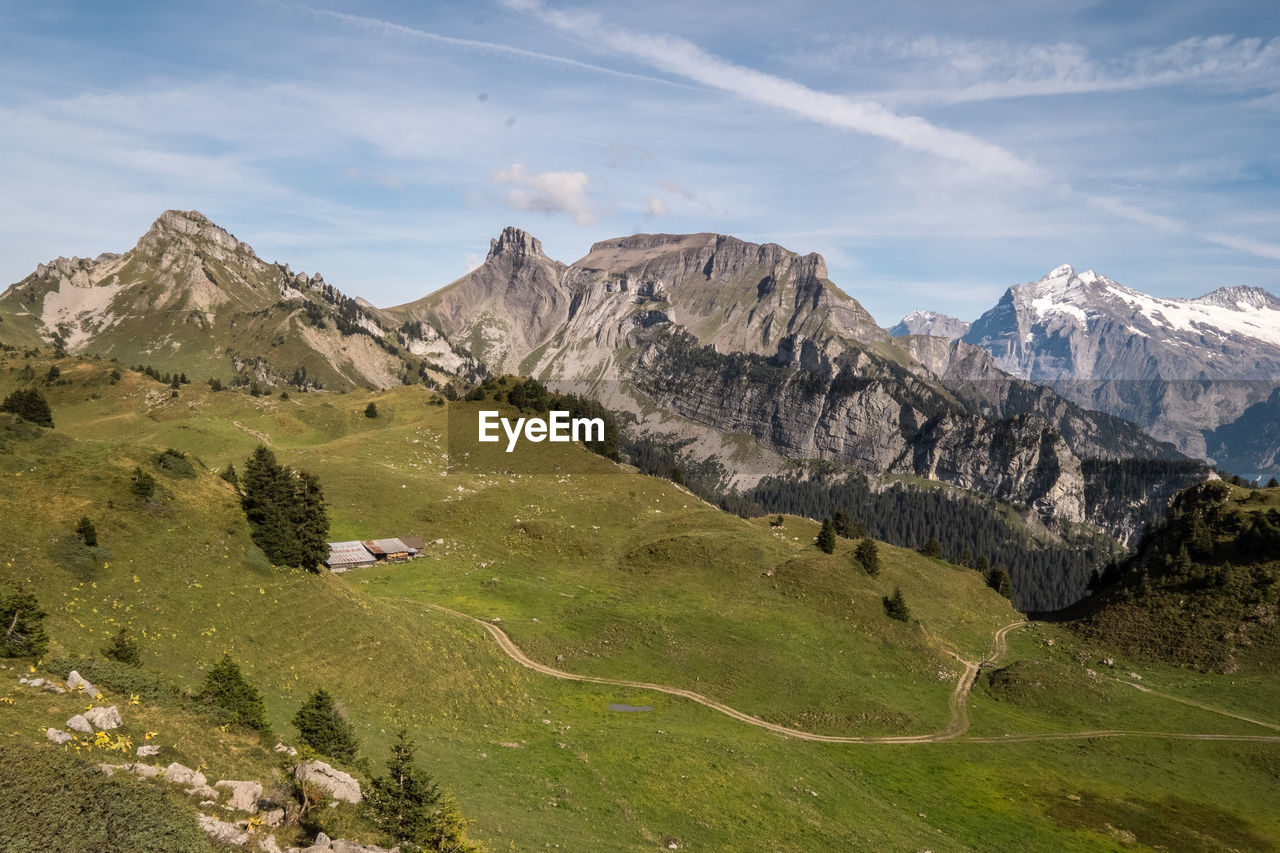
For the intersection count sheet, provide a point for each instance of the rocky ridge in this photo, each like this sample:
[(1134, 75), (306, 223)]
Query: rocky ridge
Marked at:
[(1181, 368)]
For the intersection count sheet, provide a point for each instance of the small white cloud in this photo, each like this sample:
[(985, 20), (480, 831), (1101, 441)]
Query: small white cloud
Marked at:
[(656, 207), (548, 192), (472, 262)]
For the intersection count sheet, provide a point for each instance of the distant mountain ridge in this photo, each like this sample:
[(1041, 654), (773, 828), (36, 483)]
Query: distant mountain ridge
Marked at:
[(193, 298), (930, 323), (1180, 368)]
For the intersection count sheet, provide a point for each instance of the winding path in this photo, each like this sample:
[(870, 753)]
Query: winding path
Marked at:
[(958, 701)]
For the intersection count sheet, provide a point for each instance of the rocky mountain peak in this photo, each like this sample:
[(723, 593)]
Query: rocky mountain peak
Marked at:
[(190, 226), (930, 323), (515, 243), (1240, 299)]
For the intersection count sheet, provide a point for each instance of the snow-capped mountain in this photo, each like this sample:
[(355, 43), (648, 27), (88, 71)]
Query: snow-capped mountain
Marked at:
[(1178, 367), (930, 323)]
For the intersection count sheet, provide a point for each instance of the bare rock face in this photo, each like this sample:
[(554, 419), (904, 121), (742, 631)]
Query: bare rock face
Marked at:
[(104, 719), (76, 683), (341, 786), (223, 832), (78, 723), (244, 795), (178, 774)]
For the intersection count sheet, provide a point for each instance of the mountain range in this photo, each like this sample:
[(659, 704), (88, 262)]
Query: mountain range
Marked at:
[(745, 359), (1201, 373)]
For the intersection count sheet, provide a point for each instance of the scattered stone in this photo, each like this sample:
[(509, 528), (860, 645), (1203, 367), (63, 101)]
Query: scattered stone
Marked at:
[(340, 785), (288, 750), (273, 818), (149, 749), (58, 735), (1135, 676), (177, 774), (79, 724), (104, 718), (268, 845), (204, 791), (76, 682), (244, 795), (31, 682), (324, 844), (222, 832), (146, 771)]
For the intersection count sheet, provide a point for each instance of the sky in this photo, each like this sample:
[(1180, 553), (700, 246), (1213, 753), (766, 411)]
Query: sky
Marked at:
[(934, 153)]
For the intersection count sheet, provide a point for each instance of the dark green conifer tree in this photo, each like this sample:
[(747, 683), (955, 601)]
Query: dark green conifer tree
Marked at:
[(30, 405), (231, 698), (310, 522), (22, 633), (827, 537), (403, 803), (322, 727), (867, 555), (87, 532), (895, 606)]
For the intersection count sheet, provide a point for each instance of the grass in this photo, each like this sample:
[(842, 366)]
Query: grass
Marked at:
[(625, 576)]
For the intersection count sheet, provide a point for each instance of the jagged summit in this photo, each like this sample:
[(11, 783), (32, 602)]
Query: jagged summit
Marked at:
[(930, 323), (1240, 298), (191, 224), (516, 243)]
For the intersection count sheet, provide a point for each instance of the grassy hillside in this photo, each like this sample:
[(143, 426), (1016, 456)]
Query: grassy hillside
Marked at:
[(625, 577), (1202, 589)]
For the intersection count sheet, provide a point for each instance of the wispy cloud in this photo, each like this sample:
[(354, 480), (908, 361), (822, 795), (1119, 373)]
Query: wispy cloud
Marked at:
[(1218, 55), (391, 28), (959, 70), (679, 56), (548, 192)]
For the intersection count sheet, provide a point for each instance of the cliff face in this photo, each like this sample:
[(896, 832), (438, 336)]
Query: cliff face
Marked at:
[(1181, 368), (704, 337)]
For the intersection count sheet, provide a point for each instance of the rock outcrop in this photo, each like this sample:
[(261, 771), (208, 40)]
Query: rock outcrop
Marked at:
[(339, 785)]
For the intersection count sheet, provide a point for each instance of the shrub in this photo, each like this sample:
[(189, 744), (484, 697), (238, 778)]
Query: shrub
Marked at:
[(932, 549), (371, 410), (229, 474), (87, 532), (998, 579), (52, 800), (123, 649), (231, 698), (324, 728), (175, 463), (22, 633), (895, 606), (144, 485)]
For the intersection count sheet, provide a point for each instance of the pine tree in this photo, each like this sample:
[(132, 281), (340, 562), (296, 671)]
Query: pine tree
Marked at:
[(867, 555), (87, 532), (324, 729), (827, 537), (231, 697), (932, 549), (30, 405), (22, 633), (895, 606), (310, 522), (403, 802), (124, 649), (371, 410), (999, 580), (229, 474), (1273, 483), (266, 499)]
